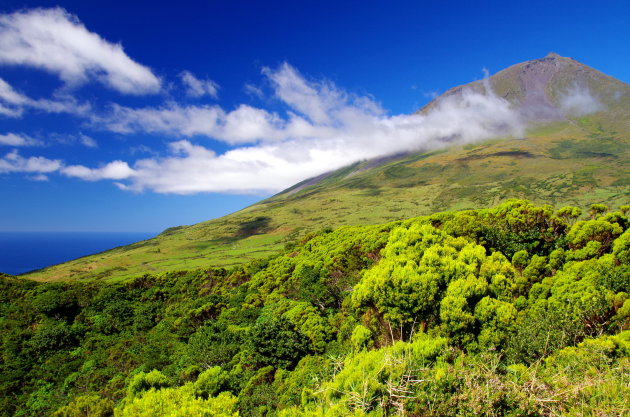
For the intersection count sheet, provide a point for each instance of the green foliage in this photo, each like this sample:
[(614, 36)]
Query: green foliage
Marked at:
[(310, 323), (514, 310), (597, 210), (536, 270), (621, 248), (52, 336), (593, 237), (58, 301), (374, 378), (519, 225), (211, 345), (569, 214), (297, 387), (406, 285), (520, 259), (258, 395), (278, 343), (210, 382), (361, 338), (496, 319), (457, 308), (177, 402), (145, 381), (87, 405)]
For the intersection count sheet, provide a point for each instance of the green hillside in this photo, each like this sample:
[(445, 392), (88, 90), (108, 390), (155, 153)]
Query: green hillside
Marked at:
[(519, 310), (574, 160)]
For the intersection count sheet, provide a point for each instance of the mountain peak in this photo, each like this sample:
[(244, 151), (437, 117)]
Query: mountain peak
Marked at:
[(538, 88), (553, 55)]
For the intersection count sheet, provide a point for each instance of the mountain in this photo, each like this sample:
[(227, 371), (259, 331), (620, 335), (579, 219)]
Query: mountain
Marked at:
[(574, 150), (540, 90)]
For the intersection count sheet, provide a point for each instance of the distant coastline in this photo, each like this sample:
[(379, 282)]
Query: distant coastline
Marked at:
[(22, 252)]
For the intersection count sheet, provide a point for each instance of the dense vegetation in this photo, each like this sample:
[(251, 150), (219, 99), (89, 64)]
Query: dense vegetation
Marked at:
[(518, 310)]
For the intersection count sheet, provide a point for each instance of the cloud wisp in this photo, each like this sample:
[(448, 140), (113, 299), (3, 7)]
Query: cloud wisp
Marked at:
[(55, 41), (14, 162), (579, 101), (323, 128), (13, 103), (198, 88), (12, 139)]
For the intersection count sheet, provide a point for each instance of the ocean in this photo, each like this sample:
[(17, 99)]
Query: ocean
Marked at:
[(21, 252)]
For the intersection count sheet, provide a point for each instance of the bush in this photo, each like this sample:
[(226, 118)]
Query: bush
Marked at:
[(278, 343), (91, 405), (145, 381)]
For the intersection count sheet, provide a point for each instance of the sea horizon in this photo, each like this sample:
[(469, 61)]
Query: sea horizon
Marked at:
[(22, 252)]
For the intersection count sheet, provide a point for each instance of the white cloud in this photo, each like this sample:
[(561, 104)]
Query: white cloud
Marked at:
[(254, 91), (61, 104), (15, 103), (324, 128), (116, 170), (38, 177), (578, 101), (315, 110), (322, 102), (11, 139), (87, 141), (10, 111), (10, 96), (71, 140), (244, 125), (13, 162), (170, 119), (55, 41), (198, 88)]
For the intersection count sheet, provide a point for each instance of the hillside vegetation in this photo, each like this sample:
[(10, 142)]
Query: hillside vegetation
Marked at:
[(562, 163), (518, 310)]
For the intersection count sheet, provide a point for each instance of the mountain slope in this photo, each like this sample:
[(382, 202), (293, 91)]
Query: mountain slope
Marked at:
[(575, 151)]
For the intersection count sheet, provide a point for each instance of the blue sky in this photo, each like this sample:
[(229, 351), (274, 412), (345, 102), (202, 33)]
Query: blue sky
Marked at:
[(142, 116)]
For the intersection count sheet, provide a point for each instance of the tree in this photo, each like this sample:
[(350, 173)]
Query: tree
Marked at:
[(405, 287), (457, 308), (597, 210), (595, 235), (569, 214)]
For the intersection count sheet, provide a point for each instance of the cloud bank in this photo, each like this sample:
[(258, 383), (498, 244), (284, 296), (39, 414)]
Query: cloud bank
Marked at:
[(323, 128), (55, 41)]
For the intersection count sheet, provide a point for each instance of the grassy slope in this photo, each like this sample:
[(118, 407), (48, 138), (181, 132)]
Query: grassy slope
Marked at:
[(577, 163)]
